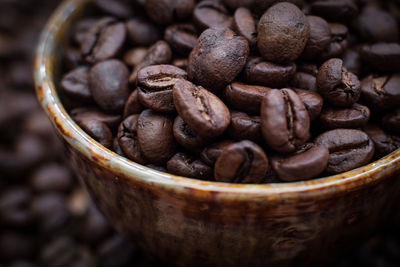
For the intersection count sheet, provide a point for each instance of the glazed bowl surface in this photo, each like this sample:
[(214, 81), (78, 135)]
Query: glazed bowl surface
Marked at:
[(188, 222)]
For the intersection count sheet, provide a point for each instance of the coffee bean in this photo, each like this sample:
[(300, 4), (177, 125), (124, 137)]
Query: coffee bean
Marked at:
[(354, 117), (244, 24), (340, 87), (382, 57), (117, 8), (262, 5), (242, 162), (348, 149), (245, 97), (155, 136), (142, 32), (108, 82), (352, 61), (81, 28), (104, 40), (166, 11), (391, 121), (186, 136), (181, 37), (313, 102), (75, 85), (181, 63), (159, 53), (339, 42), (320, 37), (234, 4), (117, 148), (134, 56), (305, 164), (304, 81), (52, 177), (59, 252), (258, 71), (128, 139), (211, 14), (155, 85), (14, 207), (335, 10), (71, 58), (210, 154), (244, 127), (218, 58), (381, 92), (308, 68), (133, 105), (98, 130), (89, 113), (283, 32), (204, 112), (184, 165), (285, 122), (385, 143), (375, 25)]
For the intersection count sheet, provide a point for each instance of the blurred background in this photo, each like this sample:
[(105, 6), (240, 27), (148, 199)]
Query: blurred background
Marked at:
[(46, 218)]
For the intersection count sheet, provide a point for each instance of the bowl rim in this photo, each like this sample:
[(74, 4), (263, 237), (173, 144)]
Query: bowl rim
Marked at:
[(134, 172)]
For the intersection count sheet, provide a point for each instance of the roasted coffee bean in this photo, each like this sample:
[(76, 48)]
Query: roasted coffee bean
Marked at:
[(186, 136), (242, 162), (86, 114), (142, 32), (245, 97), (98, 130), (133, 105), (159, 53), (304, 81), (51, 211), (166, 12), (320, 37), (305, 164), (245, 25), (181, 63), (348, 149), (210, 154), (262, 5), (258, 71), (181, 37), (312, 101), (354, 117), (117, 148), (381, 92), (352, 61), (244, 127), (218, 58), (71, 58), (285, 122), (211, 14), (184, 165), (134, 56), (382, 57), (283, 32), (203, 111), (339, 42), (376, 25), (104, 40), (14, 207), (81, 28), (155, 85), (59, 252), (340, 87), (117, 8), (75, 85), (335, 10), (155, 136), (52, 177), (391, 121), (128, 139), (108, 82), (385, 143), (234, 4), (308, 68)]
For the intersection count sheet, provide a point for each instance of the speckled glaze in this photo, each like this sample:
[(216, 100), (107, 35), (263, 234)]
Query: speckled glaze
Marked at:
[(189, 222)]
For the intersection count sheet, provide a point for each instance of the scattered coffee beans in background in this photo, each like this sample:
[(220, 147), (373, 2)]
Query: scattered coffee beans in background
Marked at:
[(46, 217), (287, 86)]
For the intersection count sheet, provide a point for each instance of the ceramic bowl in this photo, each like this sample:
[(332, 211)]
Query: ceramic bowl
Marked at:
[(188, 222)]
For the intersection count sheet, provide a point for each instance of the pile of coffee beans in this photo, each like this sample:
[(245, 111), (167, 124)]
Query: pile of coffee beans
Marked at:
[(239, 91)]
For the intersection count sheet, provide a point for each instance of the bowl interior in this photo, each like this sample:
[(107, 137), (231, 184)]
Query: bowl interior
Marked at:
[(46, 72)]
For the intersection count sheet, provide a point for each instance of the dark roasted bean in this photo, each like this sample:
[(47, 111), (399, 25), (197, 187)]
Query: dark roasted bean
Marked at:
[(210, 154), (391, 121), (355, 116), (166, 11), (142, 32), (135, 56), (335, 10), (128, 139), (244, 127), (133, 105), (382, 57), (86, 114), (75, 85), (186, 136), (312, 101), (98, 130), (304, 81), (183, 165), (181, 37), (245, 25), (384, 143), (211, 14)]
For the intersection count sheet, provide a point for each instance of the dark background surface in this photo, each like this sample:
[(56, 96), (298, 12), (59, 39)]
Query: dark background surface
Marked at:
[(46, 218)]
